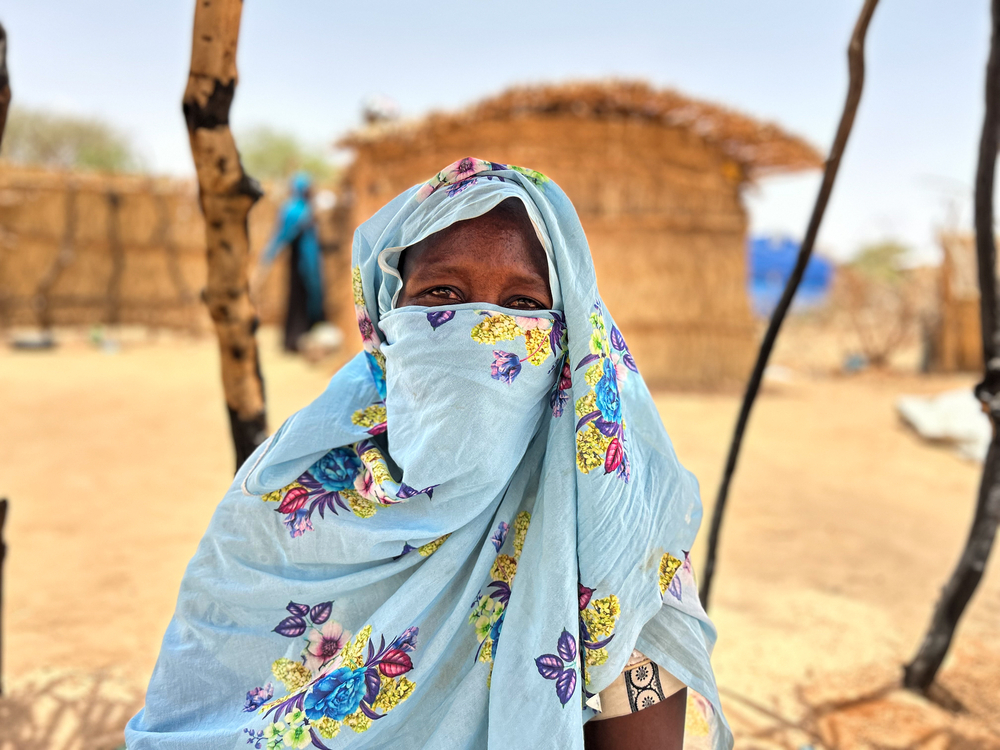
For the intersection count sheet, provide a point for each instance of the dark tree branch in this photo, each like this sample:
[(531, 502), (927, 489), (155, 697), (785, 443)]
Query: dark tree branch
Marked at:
[(226, 193), (856, 66), (920, 673), (4, 82)]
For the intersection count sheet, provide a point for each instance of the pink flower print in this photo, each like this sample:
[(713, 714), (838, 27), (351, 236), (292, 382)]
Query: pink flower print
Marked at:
[(527, 324), (325, 644), (426, 190), (367, 328)]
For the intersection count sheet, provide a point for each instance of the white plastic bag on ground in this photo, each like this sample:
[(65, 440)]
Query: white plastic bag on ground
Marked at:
[(954, 417)]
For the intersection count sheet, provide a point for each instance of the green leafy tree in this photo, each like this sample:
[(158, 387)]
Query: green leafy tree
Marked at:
[(270, 155), (39, 138)]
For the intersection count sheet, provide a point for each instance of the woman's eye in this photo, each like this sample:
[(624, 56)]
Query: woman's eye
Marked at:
[(525, 303), (443, 292)]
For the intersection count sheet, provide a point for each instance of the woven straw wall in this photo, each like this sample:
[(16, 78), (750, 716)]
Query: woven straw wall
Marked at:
[(661, 209), (84, 249)]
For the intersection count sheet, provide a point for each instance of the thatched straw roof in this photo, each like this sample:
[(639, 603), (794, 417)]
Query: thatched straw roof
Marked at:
[(760, 147)]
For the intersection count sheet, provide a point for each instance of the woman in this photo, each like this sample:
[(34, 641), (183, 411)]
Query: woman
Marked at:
[(295, 228), (476, 537)]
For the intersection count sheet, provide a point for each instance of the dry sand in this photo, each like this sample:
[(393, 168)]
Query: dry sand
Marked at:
[(842, 527)]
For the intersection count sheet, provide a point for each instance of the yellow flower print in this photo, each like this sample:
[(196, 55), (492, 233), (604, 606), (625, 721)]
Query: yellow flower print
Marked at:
[(486, 652), (494, 328), (596, 656), (504, 569), (352, 653), (290, 673), (360, 506), (358, 722), (520, 531), (536, 341), (326, 727), (278, 495), (586, 404), (373, 459), (591, 448), (695, 722), (369, 417), (431, 547), (600, 616), (668, 568), (392, 693), (359, 290), (593, 375)]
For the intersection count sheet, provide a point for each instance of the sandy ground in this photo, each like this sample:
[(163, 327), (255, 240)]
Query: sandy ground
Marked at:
[(842, 527)]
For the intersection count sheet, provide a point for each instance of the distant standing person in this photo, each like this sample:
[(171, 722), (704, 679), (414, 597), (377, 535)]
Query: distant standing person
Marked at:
[(296, 228)]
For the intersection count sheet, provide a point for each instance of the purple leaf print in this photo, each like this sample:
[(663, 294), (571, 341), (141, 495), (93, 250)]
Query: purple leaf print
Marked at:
[(567, 646), (587, 418), (367, 711), (629, 362), (291, 627), (505, 367), (625, 468), (556, 333), (438, 318), (585, 596), (593, 645), (321, 613), (298, 609), (587, 360), (675, 589), (406, 491), (373, 683), (549, 666), (316, 741), (558, 402), (617, 341), (502, 593), (609, 429), (566, 685)]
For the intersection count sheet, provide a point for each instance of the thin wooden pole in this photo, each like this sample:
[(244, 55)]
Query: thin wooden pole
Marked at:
[(3, 556), (856, 67), (4, 82), (919, 674), (226, 194)]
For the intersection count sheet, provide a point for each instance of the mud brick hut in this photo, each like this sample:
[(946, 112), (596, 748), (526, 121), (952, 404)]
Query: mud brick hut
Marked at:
[(657, 179)]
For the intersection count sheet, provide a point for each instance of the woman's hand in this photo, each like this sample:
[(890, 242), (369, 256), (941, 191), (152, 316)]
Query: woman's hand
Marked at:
[(659, 727)]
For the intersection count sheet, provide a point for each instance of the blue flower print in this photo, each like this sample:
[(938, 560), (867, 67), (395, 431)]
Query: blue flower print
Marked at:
[(337, 695), (606, 390), (495, 632), (337, 469), (377, 373), (505, 367)]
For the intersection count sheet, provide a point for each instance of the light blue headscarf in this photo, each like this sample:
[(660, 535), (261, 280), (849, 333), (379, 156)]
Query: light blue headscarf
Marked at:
[(459, 544)]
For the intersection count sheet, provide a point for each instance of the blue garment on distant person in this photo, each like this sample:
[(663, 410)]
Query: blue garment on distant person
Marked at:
[(476, 475), (295, 223)]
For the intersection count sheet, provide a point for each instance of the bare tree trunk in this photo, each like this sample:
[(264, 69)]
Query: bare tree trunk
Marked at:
[(920, 673), (4, 82), (856, 65), (226, 194)]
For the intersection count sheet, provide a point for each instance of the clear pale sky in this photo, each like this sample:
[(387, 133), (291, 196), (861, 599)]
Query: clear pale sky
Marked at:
[(306, 66)]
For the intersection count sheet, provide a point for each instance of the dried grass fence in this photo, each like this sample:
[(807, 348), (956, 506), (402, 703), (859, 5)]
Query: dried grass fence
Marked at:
[(86, 249)]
